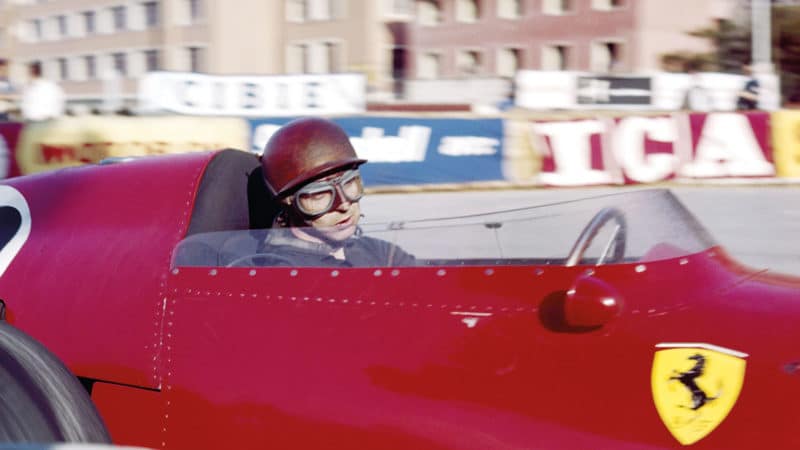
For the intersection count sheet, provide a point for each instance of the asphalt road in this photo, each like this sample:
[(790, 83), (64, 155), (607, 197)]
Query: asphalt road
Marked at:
[(758, 224)]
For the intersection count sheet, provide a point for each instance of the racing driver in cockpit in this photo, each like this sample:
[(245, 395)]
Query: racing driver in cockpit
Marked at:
[(311, 169)]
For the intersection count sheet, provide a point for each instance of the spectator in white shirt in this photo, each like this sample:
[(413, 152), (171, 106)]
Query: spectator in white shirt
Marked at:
[(42, 99), (6, 91)]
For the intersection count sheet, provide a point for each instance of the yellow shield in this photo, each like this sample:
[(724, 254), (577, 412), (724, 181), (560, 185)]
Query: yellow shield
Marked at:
[(695, 387)]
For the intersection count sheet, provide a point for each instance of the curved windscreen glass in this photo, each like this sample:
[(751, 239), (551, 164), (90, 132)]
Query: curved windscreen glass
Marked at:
[(635, 226)]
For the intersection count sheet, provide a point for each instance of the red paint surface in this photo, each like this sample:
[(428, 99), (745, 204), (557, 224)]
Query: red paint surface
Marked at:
[(356, 360), (90, 281), (465, 357)]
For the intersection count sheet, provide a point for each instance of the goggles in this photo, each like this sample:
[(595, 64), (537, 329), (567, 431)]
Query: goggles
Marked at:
[(319, 197)]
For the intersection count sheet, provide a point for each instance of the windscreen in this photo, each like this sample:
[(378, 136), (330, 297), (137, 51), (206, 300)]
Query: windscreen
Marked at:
[(634, 226)]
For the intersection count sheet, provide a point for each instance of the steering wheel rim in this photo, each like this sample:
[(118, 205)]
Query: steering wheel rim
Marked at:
[(276, 260), (616, 243)]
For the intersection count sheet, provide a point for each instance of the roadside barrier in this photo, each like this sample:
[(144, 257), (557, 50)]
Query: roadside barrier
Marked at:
[(425, 151)]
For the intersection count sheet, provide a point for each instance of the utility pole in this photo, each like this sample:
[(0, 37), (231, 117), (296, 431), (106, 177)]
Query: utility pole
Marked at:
[(761, 35)]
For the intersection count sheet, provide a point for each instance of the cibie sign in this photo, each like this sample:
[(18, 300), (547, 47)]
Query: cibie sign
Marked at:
[(252, 96)]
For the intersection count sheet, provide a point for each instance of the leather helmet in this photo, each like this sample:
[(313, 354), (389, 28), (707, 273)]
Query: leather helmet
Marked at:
[(304, 150)]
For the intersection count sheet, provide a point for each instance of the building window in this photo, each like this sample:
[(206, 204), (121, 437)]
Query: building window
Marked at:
[(62, 25), (151, 14), (468, 62), (36, 27), (467, 11), (119, 18), (398, 8), (429, 12), (429, 66), (195, 10), (508, 61), (303, 10), (91, 66), (196, 59), (333, 53), (63, 69), (556, 7), (509, 9), (152, 60), (89, 22), (606, 56), (555, 57), (297, 58), (120, 63), (607, 5)]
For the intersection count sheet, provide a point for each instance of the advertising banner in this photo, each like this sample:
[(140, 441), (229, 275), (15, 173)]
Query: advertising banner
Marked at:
[(252, 96), (639, 149), (786, 139), (9, 135), (407, 150), (73, 141), (660, 91), (605, 90)]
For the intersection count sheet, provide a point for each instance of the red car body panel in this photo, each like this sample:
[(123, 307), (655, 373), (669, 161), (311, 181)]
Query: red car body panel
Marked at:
[(439, 357), (96, 262)]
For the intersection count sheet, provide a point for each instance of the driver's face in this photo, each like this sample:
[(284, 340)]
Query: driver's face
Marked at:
[(340, 222)]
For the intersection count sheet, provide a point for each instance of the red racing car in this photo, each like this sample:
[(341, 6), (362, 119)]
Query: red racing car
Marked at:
[(615, 322)]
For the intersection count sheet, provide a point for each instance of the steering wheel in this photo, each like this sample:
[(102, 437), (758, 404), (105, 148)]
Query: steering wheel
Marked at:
[(614, 250), (264, 259)]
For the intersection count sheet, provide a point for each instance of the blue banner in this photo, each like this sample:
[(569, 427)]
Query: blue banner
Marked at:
[(408, 150)]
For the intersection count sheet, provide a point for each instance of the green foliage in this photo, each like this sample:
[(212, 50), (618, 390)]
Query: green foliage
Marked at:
[(732, 45)]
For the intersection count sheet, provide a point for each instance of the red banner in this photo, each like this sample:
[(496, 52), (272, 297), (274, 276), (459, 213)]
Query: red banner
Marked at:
[(648, 149), (9, 135)]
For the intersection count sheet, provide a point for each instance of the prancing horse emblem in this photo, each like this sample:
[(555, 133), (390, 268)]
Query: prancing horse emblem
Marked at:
[(687, 381), (687, 378)]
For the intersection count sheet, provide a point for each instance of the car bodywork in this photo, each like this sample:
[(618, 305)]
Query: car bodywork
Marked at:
[(510, 332)]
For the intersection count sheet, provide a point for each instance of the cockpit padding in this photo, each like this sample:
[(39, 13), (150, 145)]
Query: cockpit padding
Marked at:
[(232, 195)]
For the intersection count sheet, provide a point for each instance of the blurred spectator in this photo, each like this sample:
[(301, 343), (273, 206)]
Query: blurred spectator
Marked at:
[(42, 99), (511, 94), (6, 90), (697, 97), (748, 96)]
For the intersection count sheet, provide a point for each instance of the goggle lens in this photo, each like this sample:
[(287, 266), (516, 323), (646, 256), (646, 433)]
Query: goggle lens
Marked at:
[(319, 197)]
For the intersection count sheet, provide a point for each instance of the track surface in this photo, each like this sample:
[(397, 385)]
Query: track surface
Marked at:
[(759, 225)]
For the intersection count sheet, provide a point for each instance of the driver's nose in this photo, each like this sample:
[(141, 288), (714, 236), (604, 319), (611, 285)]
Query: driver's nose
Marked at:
[(341, 203)]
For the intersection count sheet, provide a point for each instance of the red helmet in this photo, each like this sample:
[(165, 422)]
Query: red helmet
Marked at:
[(304, 150)]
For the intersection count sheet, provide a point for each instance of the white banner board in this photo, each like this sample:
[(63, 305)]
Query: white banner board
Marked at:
[(660, 91), (252, 96)]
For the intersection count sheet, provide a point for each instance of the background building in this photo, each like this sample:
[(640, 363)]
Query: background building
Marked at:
[(98, 49), (458, 38)]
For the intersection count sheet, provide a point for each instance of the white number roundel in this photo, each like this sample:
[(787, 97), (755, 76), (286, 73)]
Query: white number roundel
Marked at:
[(15, 225)]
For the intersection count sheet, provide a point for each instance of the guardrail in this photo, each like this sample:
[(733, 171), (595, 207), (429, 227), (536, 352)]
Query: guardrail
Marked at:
[(434, 150)]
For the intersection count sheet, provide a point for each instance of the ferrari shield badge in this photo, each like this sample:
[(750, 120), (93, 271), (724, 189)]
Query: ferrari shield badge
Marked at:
[(695, 387)]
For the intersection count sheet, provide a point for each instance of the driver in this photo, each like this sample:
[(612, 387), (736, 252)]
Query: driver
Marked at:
[(311, 169)]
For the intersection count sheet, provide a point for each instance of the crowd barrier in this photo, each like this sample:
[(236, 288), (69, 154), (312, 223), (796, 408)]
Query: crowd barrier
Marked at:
[(408, 150)]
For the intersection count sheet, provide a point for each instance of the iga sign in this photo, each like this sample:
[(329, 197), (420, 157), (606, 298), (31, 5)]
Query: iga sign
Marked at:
[(252, 96), (651, 149)]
